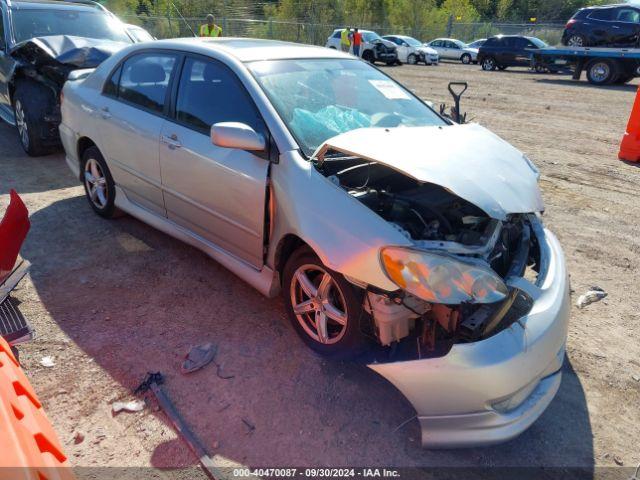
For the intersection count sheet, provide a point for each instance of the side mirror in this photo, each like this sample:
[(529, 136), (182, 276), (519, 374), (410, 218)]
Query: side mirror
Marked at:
[(237, 135)]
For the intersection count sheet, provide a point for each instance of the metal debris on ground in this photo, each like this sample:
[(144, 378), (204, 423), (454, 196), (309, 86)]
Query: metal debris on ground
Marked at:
[(594, 294), (198, 357), (132, 406), (47, 362)]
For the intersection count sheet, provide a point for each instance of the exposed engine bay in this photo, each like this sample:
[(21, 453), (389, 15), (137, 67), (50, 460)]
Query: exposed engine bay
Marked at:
[(435, 219)]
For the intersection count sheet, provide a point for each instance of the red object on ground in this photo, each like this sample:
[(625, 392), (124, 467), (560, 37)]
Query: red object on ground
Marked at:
[(13, 230), (29, 447), (630, 145)]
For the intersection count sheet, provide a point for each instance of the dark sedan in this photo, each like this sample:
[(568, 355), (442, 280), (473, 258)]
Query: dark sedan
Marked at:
[(504, 51), (606, 26)]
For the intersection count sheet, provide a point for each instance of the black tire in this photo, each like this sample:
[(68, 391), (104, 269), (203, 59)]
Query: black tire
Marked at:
[(577, 40), (465, 58), (601, 71), (348, 341), (368, 56), (489, 64), (31, 102), (412, 59), (108, 209)]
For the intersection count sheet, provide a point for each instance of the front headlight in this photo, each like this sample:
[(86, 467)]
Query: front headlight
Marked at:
[(440, 278)]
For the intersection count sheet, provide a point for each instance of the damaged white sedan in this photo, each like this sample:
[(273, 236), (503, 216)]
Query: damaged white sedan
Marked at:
[(392, 234)]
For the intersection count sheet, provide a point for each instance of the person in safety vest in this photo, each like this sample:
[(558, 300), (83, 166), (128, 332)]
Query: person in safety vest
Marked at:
[(345, 41), (210, 29)]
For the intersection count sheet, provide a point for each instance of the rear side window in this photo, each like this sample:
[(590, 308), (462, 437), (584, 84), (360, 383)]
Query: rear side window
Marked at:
[(602, 14), (336, 34), (509, 42), (144, 80), (492, 42), (209, 93)]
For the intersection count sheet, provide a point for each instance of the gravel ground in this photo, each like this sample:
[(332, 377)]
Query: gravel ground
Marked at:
[(111, 300)]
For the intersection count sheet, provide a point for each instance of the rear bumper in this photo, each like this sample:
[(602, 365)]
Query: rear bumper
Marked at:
[(490, 391)]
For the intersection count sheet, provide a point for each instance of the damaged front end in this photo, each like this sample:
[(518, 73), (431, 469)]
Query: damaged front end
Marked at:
[(477, 262), (48, 62)]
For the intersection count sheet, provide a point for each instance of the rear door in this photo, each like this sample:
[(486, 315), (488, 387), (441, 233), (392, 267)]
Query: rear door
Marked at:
[(601, 23), (507, 53), (133, 108), (438, 46), (217, 193)]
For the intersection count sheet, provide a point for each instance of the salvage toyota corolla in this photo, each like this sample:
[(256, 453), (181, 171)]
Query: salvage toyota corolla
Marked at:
[(393, 234)]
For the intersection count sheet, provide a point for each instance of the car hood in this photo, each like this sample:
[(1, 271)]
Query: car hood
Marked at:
[(68, 50), (388, 43), (469, 160)]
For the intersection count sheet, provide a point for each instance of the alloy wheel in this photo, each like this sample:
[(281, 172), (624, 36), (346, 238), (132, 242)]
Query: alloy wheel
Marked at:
[(21, 124), (488, 64), (466, 59), (411, 59), (575, 41), (318, 304), (96, 183)]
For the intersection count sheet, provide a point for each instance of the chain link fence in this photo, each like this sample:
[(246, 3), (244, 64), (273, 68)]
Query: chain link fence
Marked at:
[(317, 34)]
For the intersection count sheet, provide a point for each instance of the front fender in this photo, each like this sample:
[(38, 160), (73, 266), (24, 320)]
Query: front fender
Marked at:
[(344, 233)]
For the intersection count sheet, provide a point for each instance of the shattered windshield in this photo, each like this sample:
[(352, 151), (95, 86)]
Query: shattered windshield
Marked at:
[(31, 23), (321, 98)]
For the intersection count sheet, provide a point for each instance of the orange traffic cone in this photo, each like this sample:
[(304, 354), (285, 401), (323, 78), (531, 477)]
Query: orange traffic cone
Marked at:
[(630, 145)]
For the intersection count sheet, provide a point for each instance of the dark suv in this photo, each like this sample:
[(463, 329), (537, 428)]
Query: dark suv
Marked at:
[(504, 51), (606, 26), (41, 43)]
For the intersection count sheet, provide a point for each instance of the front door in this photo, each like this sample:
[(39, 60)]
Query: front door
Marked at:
[(217, 193), (133, 106), (626, 27)]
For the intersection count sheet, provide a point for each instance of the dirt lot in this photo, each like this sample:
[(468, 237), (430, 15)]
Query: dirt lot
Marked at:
[(112, 300)]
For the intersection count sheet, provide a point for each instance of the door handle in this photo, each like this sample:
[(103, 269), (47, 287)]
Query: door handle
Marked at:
[(104, 113), (171, 141)]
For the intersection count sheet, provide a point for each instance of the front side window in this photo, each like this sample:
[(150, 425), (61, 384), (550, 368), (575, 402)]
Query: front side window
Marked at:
[(210, 93), (144, 80), (628, 15), (30, 23), (319, 99)]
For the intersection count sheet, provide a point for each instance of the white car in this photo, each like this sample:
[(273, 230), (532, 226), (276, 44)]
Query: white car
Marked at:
[(374, 47), (412, 51), (138, 34), (453, 49)]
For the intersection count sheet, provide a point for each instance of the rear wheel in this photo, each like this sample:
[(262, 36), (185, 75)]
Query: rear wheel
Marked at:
[(412, 59), (31, 101), (323, 307), (576, 41), (466, 58), (601, 72), (488, 64), (98, 183)]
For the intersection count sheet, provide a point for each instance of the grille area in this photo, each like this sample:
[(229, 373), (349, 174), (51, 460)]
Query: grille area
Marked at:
[(14, 328)]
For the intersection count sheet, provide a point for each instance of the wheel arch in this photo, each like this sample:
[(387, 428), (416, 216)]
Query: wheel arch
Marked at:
[(288, 244), (84, 143)]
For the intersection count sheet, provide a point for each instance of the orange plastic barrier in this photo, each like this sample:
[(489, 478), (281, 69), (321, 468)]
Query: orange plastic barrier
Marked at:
[(630, 145), (29, 447)]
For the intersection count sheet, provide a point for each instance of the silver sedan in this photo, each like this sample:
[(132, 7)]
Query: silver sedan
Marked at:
[(393, 235)]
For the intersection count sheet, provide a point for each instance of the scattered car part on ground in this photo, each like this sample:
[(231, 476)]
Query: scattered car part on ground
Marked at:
[(604, 26), (411, 51), (504, 51), (374, 48), (15, 225), (603, 66), (198, 357), (594, 294), (438, 258), (453, 49), (132, 406), (216, 467), (41, 43)]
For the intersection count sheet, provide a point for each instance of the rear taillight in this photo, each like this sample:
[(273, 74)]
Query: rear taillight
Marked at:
[(570, 22)]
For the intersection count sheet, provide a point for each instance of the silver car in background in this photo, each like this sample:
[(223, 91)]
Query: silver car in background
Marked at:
[(393, 235), (453, 49)]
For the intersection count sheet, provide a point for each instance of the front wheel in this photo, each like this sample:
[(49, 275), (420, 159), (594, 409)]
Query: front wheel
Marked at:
[(412, 59), (30, 104), (466, 59), (323, 307), (98, 183), (488, 64), (368, 56), (601, 72)]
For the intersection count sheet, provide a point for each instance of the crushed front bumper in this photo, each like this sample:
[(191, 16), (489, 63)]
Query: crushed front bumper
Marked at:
[(492, 390)]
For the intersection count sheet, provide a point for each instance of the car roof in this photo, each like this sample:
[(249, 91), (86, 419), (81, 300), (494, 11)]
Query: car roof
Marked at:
[(249, 49), (53, 4)]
